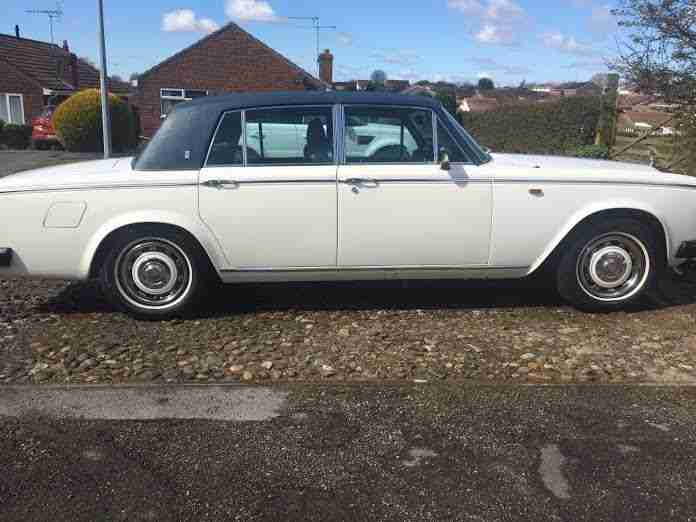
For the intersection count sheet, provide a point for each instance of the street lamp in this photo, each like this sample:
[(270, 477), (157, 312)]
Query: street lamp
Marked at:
[(106, 117)]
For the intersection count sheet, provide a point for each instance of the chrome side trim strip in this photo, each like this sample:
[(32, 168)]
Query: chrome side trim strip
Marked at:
[(506, 181), (77, 188), (370, 268), (590, 182), (454, 181)]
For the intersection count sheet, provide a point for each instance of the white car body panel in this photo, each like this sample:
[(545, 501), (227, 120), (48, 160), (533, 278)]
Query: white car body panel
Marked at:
[(114, 196), (574, 189), (272, 217), (474, 221), (393, 221)]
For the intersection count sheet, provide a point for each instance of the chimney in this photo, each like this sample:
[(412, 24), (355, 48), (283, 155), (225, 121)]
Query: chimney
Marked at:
[(326, 67), (66, 47), (75, 70), (17, 32)]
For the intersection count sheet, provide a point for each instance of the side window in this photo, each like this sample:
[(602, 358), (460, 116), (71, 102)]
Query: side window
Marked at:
[(448, 146), (290, 136), (388, 135), (227, 144)]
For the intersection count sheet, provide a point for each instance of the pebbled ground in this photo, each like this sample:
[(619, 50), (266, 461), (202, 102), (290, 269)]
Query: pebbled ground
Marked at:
[(55, 332)]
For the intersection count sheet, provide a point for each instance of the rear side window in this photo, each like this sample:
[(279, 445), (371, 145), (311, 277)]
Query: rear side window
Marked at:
[(388, 135), (290, 136), (227, 145)]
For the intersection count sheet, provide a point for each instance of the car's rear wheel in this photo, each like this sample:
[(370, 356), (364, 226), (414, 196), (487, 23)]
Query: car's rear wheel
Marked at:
[(607, 266), (154, 274)]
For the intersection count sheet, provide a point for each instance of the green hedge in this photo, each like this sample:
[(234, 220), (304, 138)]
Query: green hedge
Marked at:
[(15, 136), (558, 127), (78, 123)]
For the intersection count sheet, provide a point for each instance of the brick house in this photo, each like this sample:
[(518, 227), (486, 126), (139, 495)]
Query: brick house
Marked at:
[(32, 73), (227, 60)]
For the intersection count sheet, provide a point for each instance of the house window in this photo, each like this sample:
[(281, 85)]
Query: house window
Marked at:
[(171, 97), (12, 108)]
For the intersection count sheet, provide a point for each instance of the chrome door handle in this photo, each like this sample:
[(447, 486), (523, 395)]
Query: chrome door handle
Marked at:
[(361, 181), (221, 184)]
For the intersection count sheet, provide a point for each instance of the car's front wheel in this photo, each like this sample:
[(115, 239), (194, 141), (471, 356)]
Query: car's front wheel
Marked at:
[(154, 274), (606, 266)]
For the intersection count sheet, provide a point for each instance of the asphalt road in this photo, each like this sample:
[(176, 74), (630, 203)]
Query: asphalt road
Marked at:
[(397, 453)]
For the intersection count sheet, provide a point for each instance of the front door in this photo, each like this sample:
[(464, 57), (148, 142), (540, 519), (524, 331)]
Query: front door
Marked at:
[(278, 211), (397, 206)]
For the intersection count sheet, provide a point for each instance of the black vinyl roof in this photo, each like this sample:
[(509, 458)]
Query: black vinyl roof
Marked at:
[(243, 100), (183, 140)]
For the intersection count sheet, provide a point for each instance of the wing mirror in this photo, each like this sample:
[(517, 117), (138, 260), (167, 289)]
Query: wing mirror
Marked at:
[(444, 161)]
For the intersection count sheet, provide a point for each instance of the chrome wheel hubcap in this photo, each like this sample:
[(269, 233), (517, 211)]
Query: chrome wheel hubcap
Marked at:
[(613, 267), (153, 273)]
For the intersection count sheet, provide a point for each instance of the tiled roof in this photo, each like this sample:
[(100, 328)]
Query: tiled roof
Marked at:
[(50, 65), (231, 26), (654, 119)]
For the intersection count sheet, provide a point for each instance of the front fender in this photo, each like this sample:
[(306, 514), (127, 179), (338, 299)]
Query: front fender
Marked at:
[(191, 225), (594, 208)]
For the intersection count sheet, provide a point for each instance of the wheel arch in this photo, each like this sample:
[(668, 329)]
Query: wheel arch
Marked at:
[(98, 245), (581, 219)]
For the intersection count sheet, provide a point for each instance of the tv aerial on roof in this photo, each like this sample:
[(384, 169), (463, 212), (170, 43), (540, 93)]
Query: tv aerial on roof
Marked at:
[(52, 14), (317, 28)]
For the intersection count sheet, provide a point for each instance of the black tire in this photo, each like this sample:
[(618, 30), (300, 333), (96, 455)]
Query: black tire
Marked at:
[(166, 257), (600, 255)]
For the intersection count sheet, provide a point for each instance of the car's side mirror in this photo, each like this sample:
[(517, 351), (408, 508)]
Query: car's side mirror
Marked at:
[(444, 161)]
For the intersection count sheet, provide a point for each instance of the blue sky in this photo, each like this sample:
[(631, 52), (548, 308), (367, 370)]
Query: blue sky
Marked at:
[(456, 40)]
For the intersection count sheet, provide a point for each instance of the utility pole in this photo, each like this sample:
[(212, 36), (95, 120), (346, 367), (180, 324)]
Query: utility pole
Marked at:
[(52, 15), (317, 28), (106, 117)]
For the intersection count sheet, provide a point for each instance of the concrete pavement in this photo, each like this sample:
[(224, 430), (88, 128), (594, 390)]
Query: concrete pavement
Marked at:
[(480, 453)]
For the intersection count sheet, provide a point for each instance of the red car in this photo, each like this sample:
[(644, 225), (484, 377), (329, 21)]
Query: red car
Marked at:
[(43, 135)]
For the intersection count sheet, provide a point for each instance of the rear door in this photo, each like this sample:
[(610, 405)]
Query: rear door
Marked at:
[(279, 211)]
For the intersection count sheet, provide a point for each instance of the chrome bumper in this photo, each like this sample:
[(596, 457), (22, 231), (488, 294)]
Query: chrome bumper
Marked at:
[(5, 256)]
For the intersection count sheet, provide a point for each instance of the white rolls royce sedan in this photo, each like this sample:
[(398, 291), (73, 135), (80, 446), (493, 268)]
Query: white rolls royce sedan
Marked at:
[(328, 186)]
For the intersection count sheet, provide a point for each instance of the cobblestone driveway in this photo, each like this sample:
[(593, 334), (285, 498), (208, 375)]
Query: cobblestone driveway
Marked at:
[(53, 332)]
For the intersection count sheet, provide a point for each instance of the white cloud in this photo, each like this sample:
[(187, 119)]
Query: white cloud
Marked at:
[(345, 38), (496, 21), (494, 34), (251, 11), (567, 44), (183, 20)]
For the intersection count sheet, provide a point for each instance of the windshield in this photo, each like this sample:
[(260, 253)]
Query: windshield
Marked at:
[(481, 153)]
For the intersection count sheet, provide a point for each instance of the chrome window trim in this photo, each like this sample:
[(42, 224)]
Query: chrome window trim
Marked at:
[(212, 141), (339, 133), (436, 150), (463, 151), (244, 139), (344, 160)]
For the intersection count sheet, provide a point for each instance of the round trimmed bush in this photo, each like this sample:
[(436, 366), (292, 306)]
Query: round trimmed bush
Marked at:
[(78, 123)]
